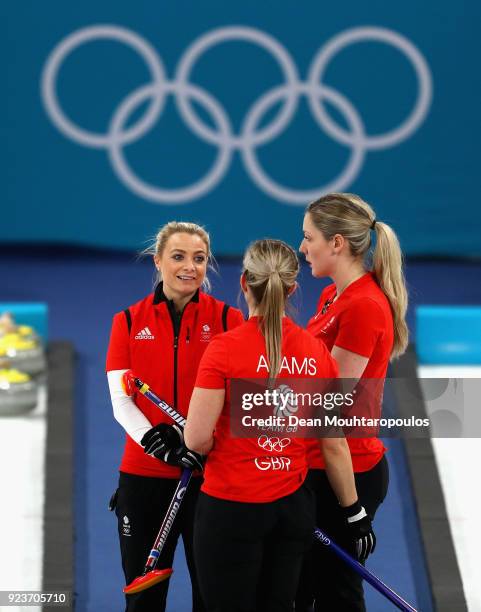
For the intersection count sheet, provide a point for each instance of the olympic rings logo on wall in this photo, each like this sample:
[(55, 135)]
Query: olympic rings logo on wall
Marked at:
[(250, 136)]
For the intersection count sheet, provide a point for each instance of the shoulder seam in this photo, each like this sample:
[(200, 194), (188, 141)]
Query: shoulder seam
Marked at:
[(225, 310), (128, 317)]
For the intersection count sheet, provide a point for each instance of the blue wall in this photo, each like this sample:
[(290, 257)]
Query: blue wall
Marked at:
[(102, 185)]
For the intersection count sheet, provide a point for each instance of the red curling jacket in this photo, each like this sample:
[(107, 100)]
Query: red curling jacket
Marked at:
[(164, 350)]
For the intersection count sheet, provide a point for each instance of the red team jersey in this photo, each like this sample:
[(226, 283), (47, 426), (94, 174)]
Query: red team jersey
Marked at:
[(360, 321), (248, 470), (165, 362)]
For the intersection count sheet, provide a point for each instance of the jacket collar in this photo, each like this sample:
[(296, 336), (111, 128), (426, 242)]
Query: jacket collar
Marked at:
[(159, 295)]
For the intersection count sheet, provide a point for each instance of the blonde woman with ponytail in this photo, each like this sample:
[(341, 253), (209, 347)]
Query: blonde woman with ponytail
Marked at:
[(255, 516), (360, 318)]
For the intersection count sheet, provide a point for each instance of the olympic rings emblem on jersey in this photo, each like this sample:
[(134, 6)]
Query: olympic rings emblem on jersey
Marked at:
[(250, 135), (273, 445)]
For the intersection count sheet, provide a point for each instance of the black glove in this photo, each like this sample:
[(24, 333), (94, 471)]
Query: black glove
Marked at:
[(360, 530), (166, 442), (184, 458), (161, 439)]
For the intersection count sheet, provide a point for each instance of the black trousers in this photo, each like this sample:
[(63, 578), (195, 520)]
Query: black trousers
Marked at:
[(326, 579), (141, 506), (249, 555)]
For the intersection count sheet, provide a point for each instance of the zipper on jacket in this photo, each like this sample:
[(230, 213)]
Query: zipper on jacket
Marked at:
[(188, 335), (176, 321)]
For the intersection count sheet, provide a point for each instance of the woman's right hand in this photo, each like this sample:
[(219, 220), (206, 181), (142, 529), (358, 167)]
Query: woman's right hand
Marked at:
[(185, 458)]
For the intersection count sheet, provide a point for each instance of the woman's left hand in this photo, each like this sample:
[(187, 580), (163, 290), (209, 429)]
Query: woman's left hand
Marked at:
[(162, 439), (360, 530)]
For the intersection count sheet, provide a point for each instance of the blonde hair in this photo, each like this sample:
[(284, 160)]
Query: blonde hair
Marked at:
[(347, 214), (179, 227), (271, 268)]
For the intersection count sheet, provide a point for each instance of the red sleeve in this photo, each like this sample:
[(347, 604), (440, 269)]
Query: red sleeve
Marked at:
[(360, 327), (118, 353), (234, 318), (212, 371)]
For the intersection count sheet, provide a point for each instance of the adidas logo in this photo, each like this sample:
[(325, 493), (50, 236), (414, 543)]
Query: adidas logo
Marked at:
[(145, 334)]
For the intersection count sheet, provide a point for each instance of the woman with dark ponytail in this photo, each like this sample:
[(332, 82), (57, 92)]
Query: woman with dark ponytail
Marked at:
[(361, 320), (255, 517)]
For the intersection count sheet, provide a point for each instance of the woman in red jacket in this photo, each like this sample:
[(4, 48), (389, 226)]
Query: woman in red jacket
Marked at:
[(361, 320), (254, 517), (161, 339)]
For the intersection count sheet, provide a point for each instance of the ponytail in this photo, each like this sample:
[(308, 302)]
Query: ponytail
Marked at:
[(388, 270), (271, 268), (271, 311)]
